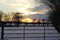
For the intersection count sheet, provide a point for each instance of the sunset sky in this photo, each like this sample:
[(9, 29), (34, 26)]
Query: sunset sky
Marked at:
[(26, 7), (23, 6)]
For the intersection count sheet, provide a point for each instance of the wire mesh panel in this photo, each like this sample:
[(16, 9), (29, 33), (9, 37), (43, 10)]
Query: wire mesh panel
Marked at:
[(31, 32)]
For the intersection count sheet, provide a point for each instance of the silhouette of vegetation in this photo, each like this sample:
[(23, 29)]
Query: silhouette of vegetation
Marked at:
[(17, 17), (55, 13), (1, 13)]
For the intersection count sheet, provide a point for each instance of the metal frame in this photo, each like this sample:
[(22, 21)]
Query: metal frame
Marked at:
[(3, 25)]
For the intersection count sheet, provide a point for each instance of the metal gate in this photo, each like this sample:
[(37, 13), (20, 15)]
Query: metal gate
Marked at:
[(30, 31)]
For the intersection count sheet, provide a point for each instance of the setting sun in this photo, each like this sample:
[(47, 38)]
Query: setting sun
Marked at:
[(27, 20)]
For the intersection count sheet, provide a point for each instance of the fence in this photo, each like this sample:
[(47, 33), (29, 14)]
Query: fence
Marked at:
[(17, 24)]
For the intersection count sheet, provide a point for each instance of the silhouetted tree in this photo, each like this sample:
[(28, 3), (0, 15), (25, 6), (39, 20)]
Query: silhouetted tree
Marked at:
[(1, 13), (55, 14), (17, 17)]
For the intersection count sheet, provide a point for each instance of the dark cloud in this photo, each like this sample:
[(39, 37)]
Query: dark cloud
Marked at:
[(40, 7), (38, 16), (38, 1)]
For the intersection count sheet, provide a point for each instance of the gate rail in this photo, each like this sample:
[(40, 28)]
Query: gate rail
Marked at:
[(3, 24)]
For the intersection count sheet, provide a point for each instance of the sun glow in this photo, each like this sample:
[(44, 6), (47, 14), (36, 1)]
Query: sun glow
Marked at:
[(27, 20)]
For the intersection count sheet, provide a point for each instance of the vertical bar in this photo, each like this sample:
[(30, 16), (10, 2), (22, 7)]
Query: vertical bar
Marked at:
[(44, 27), (24, 32), (44, 33), (2, 31)]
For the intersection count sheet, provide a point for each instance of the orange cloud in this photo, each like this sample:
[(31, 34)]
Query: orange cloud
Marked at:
[(29, 9)]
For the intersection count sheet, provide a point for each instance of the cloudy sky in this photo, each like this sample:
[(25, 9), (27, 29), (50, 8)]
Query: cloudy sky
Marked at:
[(24, 6)]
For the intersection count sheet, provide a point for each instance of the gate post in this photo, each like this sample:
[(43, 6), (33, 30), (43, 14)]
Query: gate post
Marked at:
[(2, 31)]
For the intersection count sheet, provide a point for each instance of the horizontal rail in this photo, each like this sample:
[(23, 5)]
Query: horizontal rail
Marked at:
[(28, 22)]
